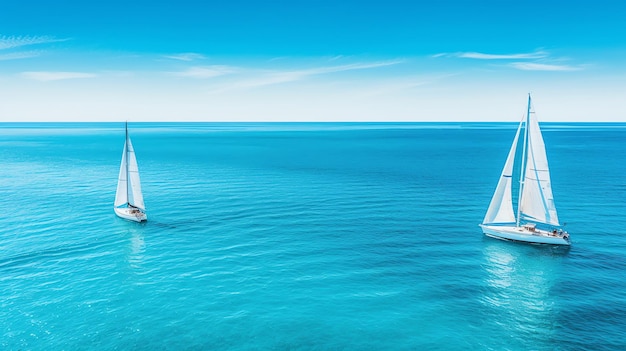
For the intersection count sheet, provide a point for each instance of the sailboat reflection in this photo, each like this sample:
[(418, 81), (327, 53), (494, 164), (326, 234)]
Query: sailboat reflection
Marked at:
[(519, 291), (136, 249)]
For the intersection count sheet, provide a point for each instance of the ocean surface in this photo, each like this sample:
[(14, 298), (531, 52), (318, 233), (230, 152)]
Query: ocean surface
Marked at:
[(304, 236)]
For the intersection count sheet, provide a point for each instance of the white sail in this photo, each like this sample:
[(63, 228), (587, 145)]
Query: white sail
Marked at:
[(135, 197), (129, 184), (501, 207), (121, 196), (537, 203)]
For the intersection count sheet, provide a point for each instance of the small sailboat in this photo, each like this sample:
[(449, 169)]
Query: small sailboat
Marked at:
[(536, 220), (128, 198)]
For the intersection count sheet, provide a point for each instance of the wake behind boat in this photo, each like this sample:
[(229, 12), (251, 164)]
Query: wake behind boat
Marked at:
[(128, 198), (536, 220)]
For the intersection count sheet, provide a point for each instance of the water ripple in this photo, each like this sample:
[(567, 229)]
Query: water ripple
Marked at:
[(340, 238)]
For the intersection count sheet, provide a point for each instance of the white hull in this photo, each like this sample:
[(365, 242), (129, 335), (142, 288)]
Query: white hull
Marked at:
[(524, 235), (135, 215)]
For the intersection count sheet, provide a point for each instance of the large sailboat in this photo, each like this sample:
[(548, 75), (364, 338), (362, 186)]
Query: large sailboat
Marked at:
[(128, 198), (536, 220)]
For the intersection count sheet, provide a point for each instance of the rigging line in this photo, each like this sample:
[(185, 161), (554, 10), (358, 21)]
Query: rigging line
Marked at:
[(523, 165)]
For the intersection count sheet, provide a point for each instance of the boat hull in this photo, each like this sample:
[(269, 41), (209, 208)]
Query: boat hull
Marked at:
[(524, 235), (134, 215)]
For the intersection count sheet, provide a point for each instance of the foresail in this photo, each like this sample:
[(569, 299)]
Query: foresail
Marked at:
[(537, 203), (121, 196), (135, 197), (501, 206)]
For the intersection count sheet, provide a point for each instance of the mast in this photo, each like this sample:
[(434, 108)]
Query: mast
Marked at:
[(523, 165), (127, 158)]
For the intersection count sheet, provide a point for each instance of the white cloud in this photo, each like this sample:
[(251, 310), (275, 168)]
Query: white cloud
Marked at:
[(271, 77), (483, 56), (336, 57), (247, 77), (206, 71), (50, 76), (188, 56), (533, 66), (533, 61), (9, 42), (19, 55), (348, 67)]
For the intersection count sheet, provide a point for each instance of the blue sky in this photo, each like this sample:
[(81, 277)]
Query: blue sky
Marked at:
[(450, 60)]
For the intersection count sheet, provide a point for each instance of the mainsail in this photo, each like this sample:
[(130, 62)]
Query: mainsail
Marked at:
[(129, 184), (537, 204)]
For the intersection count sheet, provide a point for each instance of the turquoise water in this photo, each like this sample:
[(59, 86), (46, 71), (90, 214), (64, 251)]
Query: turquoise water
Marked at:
[(304, 237)]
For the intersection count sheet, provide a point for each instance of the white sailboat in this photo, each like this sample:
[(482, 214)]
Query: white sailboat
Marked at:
[(536, 220), (128, 198)]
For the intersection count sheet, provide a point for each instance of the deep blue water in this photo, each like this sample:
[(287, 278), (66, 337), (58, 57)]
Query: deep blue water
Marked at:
[(293, 236)]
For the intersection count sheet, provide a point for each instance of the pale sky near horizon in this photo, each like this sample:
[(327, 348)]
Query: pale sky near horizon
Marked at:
[(450, 60)]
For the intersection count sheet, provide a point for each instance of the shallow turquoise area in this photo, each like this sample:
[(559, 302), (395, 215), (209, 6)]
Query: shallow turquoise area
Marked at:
[(304, 237)]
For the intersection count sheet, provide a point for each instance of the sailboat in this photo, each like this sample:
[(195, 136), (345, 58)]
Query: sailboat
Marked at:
[(536, 220), (128, 198)]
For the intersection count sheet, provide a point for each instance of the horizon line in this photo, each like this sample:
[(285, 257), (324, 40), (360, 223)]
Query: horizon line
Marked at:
[(305, 122)]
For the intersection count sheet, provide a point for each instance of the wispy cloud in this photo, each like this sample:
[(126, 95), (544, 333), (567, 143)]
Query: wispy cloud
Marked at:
[(278, 77), (50, 76), (204, 72), (248, 78), (19, 55), (531, 61), (9, 42), (188, 56), (533, 66), (485, 56), (399, 85), (347, 67), (336, 57)]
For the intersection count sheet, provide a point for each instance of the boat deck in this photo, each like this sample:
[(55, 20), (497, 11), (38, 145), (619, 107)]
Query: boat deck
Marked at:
[(528, 234)]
